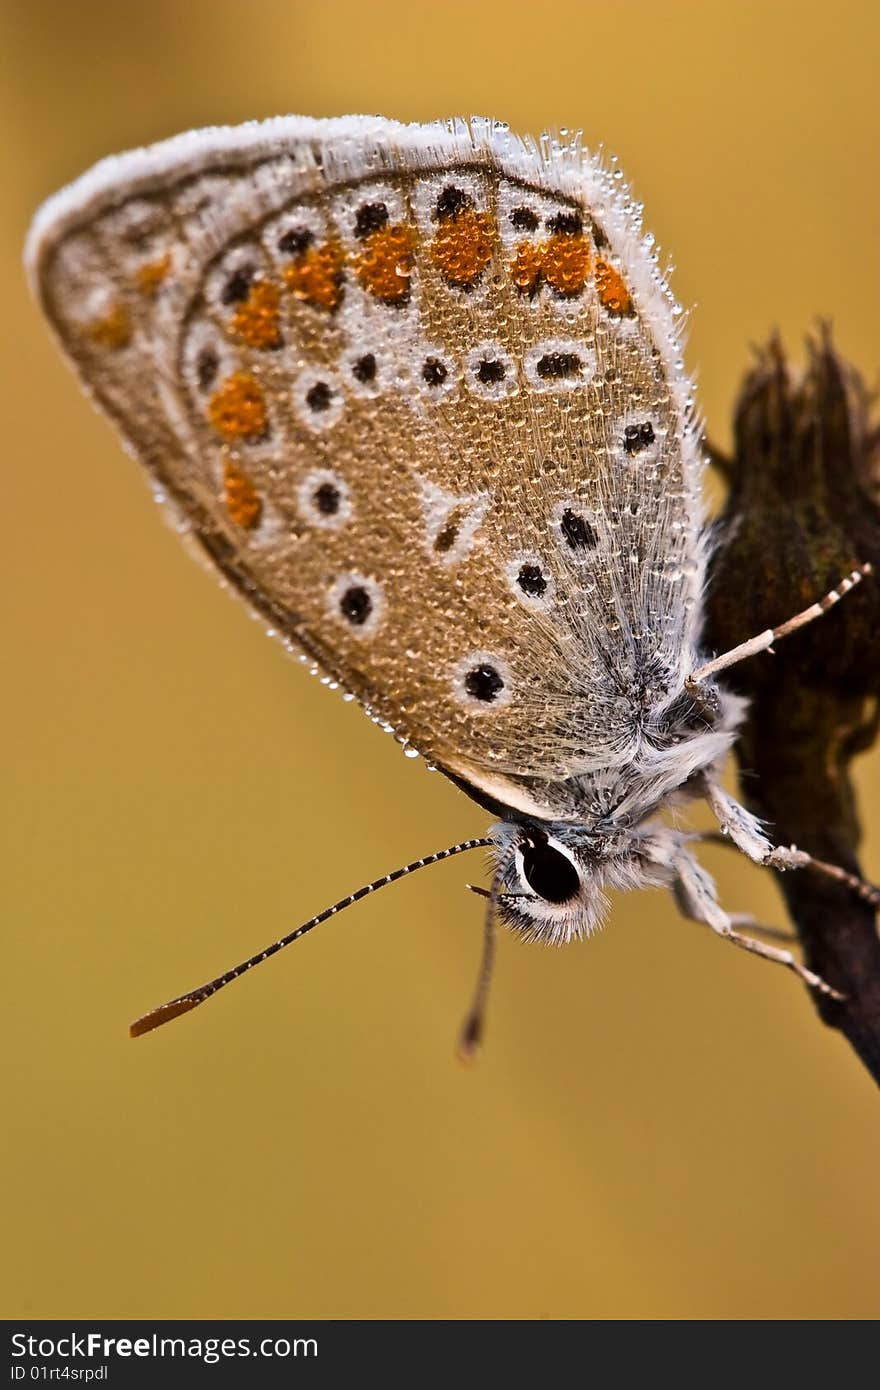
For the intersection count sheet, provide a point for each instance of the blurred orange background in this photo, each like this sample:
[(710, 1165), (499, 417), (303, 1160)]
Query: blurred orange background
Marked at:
[(659, 1127)]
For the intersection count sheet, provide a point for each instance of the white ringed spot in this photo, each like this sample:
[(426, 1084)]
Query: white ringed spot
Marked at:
[(324, 500), (638, 438), (559, 364), (482, 682), (293, 233), (490, 372), (531, 580), (356, 601), (451, 520), (318, 399), (433, 372), (366, 371), (574, 527)]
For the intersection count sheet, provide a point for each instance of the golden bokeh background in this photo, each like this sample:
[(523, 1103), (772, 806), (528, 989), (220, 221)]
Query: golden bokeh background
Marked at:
[(659, 1127)]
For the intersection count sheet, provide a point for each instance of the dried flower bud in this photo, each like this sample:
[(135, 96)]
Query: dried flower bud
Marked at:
[(803, 511)]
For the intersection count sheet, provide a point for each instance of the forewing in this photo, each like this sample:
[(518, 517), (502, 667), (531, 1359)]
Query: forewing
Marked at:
[(416, 392)]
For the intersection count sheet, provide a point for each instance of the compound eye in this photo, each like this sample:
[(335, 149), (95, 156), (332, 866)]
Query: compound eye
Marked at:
[(550, 873)]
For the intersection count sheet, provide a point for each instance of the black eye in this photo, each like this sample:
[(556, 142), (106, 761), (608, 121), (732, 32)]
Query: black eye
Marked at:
[(550, 874)]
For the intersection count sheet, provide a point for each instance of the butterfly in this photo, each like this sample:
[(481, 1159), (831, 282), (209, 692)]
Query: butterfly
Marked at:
[(417, 393)]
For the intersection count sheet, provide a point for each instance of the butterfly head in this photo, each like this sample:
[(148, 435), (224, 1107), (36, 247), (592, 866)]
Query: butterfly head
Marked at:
[(551, 877)]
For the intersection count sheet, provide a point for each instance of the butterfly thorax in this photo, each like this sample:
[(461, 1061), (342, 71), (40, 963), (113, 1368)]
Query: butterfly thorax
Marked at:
[(602, 829), (662, 760)]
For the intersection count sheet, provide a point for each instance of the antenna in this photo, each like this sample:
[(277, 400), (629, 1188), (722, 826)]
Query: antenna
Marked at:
[(474, 1026), (471, 1035), (184, 1002)]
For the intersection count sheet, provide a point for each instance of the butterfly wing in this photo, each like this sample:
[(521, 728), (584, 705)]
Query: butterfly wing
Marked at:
[(417, 393)]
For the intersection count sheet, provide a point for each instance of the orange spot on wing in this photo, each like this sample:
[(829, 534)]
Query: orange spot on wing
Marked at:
[(566, 263), (238, 409), (563, 263), (613, 293), (462, 248), (385, 264), (527, 266), (113, 330), (149, 276), (256, 321), (242, 500), (315, 275)]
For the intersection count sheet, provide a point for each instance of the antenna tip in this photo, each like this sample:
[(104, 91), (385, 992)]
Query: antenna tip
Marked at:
[(164, 1014), (468, 1049)]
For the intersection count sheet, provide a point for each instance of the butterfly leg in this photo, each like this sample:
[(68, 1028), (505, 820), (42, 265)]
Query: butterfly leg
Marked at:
[(765, 639), (745, 919), (744, 831), (696, 897)]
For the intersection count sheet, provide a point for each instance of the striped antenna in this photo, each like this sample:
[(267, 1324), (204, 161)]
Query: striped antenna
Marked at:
[(184, 1002), (765, 640)]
